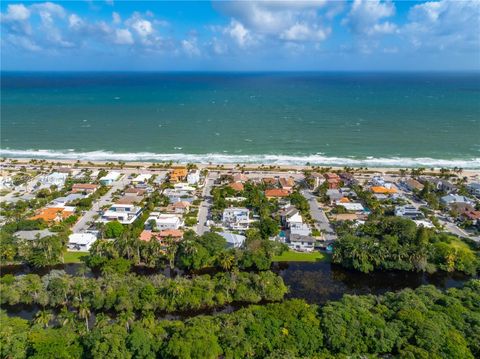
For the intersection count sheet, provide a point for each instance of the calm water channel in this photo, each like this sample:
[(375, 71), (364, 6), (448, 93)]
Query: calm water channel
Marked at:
[(316, 282)]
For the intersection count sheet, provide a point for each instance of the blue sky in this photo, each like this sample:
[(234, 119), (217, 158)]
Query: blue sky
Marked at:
[(240, 35)]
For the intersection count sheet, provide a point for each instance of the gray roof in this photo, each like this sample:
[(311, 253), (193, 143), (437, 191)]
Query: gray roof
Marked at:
[(32, 235), (233, 240)]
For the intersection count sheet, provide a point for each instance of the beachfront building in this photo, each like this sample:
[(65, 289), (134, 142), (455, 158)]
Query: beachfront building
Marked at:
[(408, 211), (123, 213), (164, 221), (193, 177), (236, 218), (85, 188), (81, 241), (412, 184), (109, 178), (178, 175), (142, 178), (333, 180)]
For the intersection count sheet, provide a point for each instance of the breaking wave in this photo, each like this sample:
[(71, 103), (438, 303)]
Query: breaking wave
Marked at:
[(267, 159)]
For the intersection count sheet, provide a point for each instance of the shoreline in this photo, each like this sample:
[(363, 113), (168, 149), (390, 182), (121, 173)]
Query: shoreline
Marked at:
[(162, 165)]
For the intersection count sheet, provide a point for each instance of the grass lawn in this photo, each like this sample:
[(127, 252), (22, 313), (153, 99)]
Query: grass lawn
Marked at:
[(74, 257), (292, 256)]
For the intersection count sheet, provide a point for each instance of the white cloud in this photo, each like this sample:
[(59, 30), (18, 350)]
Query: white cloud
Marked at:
[(123, 37), (279, 20), (142, 27), (303, 32), (190, 47), (444, 25), (239, 33), (365, 16), (16, 12), (116, 18), (74, 21)]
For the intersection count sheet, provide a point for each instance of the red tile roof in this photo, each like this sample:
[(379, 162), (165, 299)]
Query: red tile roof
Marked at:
[(277, 193)]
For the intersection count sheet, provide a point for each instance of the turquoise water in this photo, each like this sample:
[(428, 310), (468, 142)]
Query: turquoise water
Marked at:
[(324, 118)]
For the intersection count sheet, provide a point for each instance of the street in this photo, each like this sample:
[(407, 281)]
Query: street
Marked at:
[(321, 221), (201, 228)]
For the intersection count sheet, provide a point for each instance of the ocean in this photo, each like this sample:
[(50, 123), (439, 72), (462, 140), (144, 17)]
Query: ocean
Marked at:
[(355, 119)]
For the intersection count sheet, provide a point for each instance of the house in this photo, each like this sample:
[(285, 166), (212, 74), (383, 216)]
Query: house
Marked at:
[(318, 179), (53, 179), (54, 214), (333, 180), (269, 181), (408, 211), (236, 186), (183, 187), (466, 211), (129, 200), (123, 213), (287, 183), (350, 206), (240, 177), (383, 190), (86, 188), (181, 207), (62, 201), (474, 188), (454, 198), (443, 185), (276, 193), (233, 240), (236, 218), (413, 185), (164, 221), (109, 178), (131, 191), (6, 182), (147, 235), (81, 241), (33, 235), (334, 195), (345, 217), (302, 243), (296, 225), (423, 223), (285, 213), (193, 177), (142, 178), (178, 195), (348, 178), (178, 175)]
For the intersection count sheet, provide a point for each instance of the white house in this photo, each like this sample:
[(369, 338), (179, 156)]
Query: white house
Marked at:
[(109, 178), (183, 187), (165, 221), (193, 177), (6, 183), (142, 178), (124, 213), (296, 225), (56, 178), (408, 211), (351, 206), (302, 243), (81, 241), (236, 218), (233, 240)]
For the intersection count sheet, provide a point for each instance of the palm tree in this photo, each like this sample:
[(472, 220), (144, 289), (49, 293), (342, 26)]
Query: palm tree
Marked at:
[(43, 317), (127, 317), (84, 313), (226, 260)]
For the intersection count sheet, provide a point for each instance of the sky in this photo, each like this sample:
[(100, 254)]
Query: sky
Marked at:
[(321, 35)]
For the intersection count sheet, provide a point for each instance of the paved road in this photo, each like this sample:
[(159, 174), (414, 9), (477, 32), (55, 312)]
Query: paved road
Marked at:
[(86, 219), (201, 228), (321, 221), (454, 229)]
